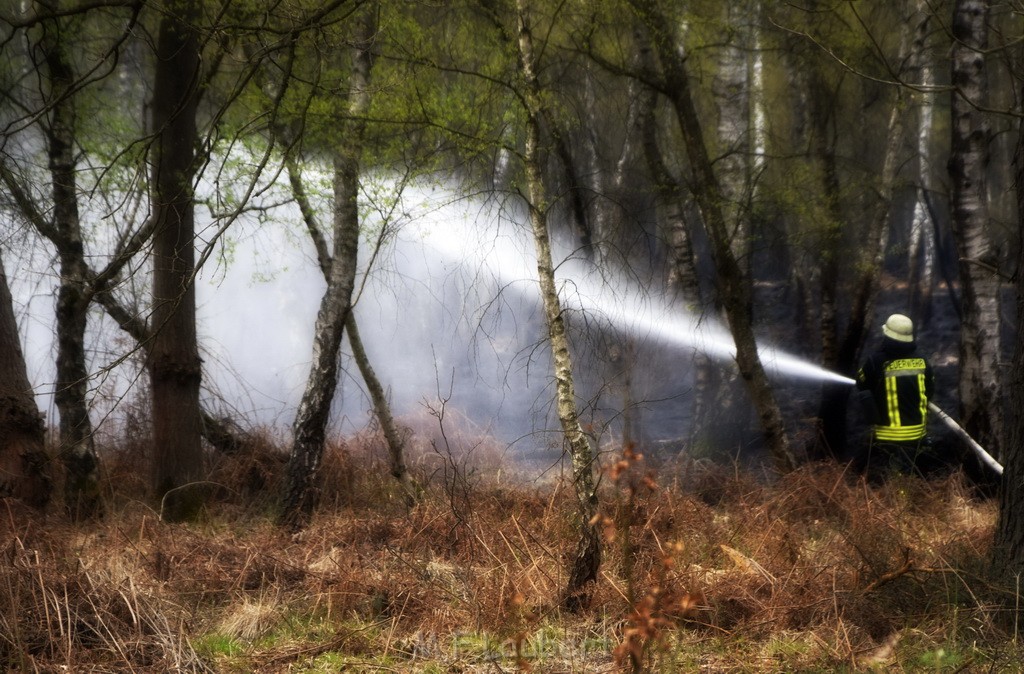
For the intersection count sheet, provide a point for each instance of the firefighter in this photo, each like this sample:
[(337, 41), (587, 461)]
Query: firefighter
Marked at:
[(896, 383)]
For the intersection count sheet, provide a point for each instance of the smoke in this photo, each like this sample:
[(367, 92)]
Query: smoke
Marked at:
[(449, 313)]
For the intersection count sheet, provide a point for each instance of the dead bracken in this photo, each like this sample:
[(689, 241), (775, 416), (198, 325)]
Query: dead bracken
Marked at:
[(816, 570)]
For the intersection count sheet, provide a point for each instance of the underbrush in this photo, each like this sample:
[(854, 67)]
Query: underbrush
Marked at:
[(705, 568)]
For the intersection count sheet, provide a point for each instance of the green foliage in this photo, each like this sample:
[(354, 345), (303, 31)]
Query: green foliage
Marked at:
[(218, 647)]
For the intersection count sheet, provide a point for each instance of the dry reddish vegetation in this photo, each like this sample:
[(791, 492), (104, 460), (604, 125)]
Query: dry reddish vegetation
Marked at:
[(706, 569)]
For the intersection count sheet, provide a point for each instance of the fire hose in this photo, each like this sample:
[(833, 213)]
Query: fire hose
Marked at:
[(985, 457)]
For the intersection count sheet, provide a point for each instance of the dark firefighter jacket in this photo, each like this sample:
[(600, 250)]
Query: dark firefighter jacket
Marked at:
[(901, 383)]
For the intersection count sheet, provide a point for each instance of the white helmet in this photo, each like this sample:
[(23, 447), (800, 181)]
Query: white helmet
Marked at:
[(899, 327)]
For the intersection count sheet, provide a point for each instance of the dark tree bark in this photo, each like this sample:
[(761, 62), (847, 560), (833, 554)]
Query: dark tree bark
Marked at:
[(81, 486), (174, 365), (980, 384), (301, 494), (1008, 547), (24, 466), (841, 348), (394, 437), (221, 433)]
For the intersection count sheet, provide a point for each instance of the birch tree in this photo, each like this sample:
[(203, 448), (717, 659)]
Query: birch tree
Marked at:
[(587, 558), (843, 336), (514, 24), (980, 379), (922, 244), (394, 436), (733, 291), (301, 494)]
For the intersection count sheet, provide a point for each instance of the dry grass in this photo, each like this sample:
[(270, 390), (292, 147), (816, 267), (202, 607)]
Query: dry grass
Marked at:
[(705, 569)]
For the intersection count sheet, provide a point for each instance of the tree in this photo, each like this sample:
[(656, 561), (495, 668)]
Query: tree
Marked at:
[(174, 366), (842, 337), (922, 245), (980, 381), (732, 286), (72, 83), (81, 492), (23, 460), (301, 494), (587, 558), (394, 437), (676, 215), (1008, 548), (68, 81)]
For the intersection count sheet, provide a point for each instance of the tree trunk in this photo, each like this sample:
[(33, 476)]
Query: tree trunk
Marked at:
[(733, 290), (1008, 547), (81, 485), (980, 382), (922, 244), (615, 232), (671, 198), (731, 88), (823, 151), (587, 558), (863, 289), (24, 465), (841, 346), (677, 218), (309, 429), (220, 433), (174, 365), (394, 437), (734, 162)]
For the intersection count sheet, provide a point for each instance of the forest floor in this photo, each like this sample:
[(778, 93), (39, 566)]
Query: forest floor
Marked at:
[(706, 569)]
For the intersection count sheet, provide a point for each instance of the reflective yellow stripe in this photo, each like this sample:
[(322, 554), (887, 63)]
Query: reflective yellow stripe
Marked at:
[(899, 434), (924, 398), (892, 400)]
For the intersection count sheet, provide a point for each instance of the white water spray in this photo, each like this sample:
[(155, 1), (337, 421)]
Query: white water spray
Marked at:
[(625, 306), (646, 316)]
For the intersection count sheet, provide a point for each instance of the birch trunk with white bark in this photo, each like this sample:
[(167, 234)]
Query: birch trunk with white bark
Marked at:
[(394, 436), (922, 245), (587, 558), (980, 384)]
